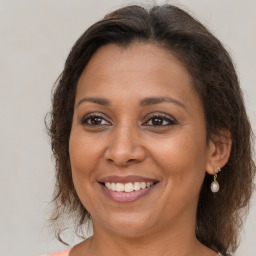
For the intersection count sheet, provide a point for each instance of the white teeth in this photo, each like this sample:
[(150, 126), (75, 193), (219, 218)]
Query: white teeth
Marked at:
[(113, 186), (136, 186), (143, 185), (108, 185), (127, 187), (119, 187)]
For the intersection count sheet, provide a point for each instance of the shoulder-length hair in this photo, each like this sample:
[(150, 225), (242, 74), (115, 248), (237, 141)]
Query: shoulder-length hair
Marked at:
[(219, 216)]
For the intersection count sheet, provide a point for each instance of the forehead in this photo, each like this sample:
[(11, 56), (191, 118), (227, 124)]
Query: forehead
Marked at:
[(136, 56), (141, 69)]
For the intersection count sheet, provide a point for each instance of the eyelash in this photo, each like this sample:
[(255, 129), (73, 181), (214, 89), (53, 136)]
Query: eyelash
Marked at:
[(88, 117), (150, 117), (161, 116)]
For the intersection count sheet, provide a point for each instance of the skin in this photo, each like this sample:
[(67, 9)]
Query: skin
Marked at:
[(127, 141)]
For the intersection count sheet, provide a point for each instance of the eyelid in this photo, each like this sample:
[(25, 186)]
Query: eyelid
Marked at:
[(94, 114), (148, 117), (162, 115)]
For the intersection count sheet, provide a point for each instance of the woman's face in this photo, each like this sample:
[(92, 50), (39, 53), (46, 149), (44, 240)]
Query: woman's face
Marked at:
[(138, 128)]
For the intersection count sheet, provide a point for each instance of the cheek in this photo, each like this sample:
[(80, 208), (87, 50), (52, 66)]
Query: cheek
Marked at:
[(182, 158), (84, 157), (84, 152)]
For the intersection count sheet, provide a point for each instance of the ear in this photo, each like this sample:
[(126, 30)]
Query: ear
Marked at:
[(219, 149)]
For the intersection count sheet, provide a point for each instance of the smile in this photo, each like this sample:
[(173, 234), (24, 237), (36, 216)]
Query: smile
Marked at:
[(126, 189)]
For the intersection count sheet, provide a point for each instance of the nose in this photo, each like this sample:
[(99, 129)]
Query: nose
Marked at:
[(125, 147)]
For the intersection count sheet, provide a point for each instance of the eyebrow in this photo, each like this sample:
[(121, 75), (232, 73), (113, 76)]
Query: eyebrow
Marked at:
[(100, 101), (158, 100), (145, 102)]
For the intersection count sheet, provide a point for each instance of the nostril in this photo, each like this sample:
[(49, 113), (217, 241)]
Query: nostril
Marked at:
[(131, 160), (122, 162), (122, 154)]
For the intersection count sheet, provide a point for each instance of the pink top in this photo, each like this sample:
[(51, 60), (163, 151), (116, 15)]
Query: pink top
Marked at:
[(66, 253), (62, 253)]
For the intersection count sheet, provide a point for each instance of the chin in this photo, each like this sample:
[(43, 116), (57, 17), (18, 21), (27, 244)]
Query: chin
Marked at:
[(128, 225)]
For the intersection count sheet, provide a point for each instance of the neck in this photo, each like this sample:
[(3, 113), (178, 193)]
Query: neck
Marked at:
[(179, 240)]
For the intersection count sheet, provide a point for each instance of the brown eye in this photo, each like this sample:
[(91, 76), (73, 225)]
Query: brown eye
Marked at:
[(160, 120), (157, 121), (94, 120)]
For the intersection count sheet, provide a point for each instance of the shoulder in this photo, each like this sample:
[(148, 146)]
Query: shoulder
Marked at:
[(62, 253)]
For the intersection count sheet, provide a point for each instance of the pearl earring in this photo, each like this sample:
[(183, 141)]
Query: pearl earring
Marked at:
[(215, 185)]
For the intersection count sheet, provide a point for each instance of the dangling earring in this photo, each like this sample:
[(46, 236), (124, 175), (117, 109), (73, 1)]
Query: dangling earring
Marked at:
[(215, 185)]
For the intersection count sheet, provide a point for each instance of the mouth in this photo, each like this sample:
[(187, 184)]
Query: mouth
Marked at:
[(126, 189)]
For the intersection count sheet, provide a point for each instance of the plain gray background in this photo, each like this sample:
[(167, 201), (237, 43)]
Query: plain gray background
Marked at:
[(35, 38)]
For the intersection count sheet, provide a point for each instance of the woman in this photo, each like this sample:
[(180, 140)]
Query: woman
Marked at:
[(151, 138)]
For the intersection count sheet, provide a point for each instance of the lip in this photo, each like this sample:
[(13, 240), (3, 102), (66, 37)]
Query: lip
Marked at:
[(126, 179), (126, 197)]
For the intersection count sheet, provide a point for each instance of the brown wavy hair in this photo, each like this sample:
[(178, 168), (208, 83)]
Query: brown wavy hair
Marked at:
[(220, 215)]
